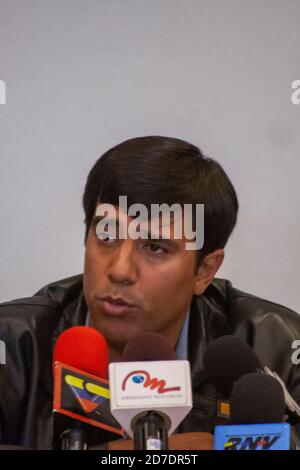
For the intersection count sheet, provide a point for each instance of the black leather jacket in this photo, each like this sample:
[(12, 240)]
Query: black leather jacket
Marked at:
[(30, 326)]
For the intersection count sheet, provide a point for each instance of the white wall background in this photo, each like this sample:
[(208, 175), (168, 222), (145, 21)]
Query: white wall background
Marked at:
[(83, 75)]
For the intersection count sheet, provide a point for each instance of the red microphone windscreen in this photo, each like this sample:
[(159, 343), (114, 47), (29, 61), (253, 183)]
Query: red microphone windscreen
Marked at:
[(84, 348)]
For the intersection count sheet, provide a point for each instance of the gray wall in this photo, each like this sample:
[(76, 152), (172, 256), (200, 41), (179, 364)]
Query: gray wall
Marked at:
[(83, 75)]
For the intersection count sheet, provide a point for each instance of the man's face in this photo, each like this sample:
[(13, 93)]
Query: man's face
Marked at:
[(153, 280)]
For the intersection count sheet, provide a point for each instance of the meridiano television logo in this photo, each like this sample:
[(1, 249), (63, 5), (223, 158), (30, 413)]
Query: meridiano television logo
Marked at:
[(2, 92), (2, 352)]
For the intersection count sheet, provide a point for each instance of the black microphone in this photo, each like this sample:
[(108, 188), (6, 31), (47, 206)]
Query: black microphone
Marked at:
[(148, 346), (257, 413), (229, 358), (226, 360), (256, 399), (259, 398)]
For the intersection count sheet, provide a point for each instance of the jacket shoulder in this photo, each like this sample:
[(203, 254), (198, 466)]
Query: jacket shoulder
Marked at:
[(240, 306), (268, 327), (244, 307), (45, 309), (28, 310), (63, 290), (29, 328)]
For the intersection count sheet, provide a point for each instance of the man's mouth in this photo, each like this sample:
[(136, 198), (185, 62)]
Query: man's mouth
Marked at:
[(116, 305), (116, 301)]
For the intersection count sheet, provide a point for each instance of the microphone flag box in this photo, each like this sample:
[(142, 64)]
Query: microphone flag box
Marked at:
[(160, 386), (252, 437), (84, 397)]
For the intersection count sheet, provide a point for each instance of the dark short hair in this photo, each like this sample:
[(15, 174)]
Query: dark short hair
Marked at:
[(157, 169)]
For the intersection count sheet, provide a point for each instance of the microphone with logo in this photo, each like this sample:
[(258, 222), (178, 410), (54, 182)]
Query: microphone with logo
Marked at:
[(150, 391), (228, 359), (257, 412), (81, 392)]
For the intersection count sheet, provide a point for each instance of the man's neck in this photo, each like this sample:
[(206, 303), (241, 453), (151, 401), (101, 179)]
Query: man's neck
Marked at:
[(114, 355)]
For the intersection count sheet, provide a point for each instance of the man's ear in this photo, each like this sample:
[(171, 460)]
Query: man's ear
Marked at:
[(207, 270)]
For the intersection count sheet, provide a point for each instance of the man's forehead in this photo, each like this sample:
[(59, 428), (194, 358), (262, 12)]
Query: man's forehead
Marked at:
[(121, 215), (157, 227)]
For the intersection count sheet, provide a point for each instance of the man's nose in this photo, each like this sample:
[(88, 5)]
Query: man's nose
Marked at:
[(123, 268)]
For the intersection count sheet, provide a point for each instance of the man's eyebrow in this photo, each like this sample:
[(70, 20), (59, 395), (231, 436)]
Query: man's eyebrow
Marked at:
[(147, 234), (156, 235), (158, 238), (98, 218)]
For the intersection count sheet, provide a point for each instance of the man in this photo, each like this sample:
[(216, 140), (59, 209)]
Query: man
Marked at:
[(146, 283)]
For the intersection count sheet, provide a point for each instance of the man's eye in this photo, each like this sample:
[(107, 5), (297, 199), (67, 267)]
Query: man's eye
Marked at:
[(105, 237), (155, 248)]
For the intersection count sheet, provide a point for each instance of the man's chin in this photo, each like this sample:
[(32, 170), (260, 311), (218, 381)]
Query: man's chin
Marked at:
[(116, 338)]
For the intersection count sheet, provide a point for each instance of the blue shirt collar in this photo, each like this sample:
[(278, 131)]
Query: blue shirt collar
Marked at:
[(182, 344)]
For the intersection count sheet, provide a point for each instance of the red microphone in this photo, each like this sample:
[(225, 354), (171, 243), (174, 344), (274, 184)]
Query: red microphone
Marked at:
[(81, 388), (84, 348)]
